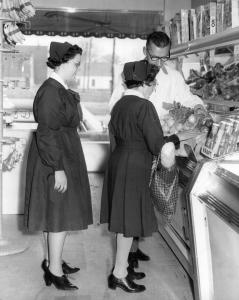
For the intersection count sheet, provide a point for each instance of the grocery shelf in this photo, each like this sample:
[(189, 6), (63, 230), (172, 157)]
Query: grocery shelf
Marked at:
[(221, 39), (224, 103)]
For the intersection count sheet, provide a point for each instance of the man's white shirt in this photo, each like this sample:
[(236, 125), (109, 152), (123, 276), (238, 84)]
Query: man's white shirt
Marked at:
[(170, 87)]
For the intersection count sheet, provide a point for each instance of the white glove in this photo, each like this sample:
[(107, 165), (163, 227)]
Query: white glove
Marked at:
[(168, 155)]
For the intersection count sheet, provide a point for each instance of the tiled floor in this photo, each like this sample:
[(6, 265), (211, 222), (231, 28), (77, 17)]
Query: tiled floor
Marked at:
[(22, 279)]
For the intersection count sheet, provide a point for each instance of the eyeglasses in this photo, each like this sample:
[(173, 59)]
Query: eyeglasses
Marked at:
[(156, 58), (76, 64)]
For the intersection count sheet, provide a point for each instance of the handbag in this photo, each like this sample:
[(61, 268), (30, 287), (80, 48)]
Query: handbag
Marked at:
[(164, 189)]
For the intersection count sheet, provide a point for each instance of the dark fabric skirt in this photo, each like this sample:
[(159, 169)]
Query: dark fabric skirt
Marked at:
[(49, 210), (126, 203)]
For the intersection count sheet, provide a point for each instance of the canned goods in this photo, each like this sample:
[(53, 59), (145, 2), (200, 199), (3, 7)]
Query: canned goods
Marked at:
[(225, 128), (212, 136), (227, 139)]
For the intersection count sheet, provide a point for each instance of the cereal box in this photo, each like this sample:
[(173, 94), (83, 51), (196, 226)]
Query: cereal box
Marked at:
[(192, 19), (220, 16), (209, 19), (199, 15), (184, 25), (235, 13), (227, 14)]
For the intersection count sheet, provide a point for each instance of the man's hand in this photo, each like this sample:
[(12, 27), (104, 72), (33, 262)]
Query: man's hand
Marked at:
[(60, 181)]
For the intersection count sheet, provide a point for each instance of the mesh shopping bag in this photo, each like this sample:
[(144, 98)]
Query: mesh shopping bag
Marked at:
[(164, 189)]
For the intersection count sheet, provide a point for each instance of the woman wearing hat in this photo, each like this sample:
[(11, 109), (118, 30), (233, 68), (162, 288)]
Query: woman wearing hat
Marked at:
[(126, 203), (57, 197)]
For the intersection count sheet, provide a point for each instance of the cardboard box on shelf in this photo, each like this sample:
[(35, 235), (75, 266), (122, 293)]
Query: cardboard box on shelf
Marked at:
[(192, 24), (227, 14), (231, 13), (175, 30), (199, 15), (172, 32), (220, 16), (184, 25), (235, 13), (209, 19)]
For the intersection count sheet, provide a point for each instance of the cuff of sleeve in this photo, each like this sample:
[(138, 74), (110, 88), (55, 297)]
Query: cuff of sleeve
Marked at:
[(59, 166), (174, 139)]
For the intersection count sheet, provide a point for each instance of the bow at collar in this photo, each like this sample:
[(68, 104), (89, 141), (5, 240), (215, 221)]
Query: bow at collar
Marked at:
[(75, 95)]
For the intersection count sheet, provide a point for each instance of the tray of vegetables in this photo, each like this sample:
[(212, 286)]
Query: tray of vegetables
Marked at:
[(185, 119)]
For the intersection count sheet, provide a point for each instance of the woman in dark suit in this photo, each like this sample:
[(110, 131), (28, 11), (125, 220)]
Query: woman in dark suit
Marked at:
[(57, 197), (126, 203)]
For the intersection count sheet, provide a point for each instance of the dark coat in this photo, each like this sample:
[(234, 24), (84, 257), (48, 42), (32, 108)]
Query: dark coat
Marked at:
[(55, 146), (126, 203)]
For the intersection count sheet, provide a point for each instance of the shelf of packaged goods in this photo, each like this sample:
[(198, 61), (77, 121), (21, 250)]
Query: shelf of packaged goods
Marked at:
[(221, 39), (224, 103)]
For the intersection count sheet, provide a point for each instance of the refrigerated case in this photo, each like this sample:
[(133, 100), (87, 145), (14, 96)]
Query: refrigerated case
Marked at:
[(213, 209), (204, 233)]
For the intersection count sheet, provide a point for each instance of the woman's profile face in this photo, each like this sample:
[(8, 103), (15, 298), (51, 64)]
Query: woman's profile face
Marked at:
[(71, 67)]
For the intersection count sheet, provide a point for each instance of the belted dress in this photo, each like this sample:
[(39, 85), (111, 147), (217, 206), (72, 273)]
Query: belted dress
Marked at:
[(126, 203), (56, 146)]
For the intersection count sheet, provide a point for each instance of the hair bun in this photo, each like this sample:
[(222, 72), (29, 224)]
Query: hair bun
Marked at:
[(53, 63)]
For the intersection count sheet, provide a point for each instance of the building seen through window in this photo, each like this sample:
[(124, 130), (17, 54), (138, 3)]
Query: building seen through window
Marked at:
[(101, 65)]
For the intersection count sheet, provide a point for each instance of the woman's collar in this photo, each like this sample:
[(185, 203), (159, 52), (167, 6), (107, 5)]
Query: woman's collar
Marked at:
[(133, 92), (55, 76)]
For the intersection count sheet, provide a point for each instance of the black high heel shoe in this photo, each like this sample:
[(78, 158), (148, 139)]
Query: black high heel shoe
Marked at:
[(60, 282), (125, 284), (140, 255), (65, 267), (135, 275), (133, 260)]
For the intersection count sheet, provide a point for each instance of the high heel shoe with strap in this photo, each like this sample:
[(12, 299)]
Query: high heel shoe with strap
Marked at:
[(133, 260), (60, 282), (65, 267), (125, 284)]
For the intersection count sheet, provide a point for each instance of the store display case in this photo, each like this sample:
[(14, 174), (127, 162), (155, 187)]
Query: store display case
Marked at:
[(204, 231), (213, 209)]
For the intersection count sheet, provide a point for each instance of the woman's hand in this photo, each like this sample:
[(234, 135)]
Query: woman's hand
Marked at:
[(60, 181)]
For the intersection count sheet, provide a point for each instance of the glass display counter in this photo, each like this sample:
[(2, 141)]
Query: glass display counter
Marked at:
[(213, 209)]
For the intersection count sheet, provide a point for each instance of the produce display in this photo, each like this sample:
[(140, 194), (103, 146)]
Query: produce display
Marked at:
[(181, 118), (220, 83)]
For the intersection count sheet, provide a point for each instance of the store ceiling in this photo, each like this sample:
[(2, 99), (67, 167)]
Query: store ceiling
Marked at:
[(121, 24)]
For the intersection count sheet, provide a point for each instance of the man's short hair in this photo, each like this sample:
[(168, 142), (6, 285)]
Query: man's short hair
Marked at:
[(159, 38)]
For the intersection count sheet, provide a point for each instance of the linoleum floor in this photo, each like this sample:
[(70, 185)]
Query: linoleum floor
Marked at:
[(21, 277)]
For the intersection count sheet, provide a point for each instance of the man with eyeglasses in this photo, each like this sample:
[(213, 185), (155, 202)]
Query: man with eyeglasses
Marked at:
[(170, 87), (170, 83)]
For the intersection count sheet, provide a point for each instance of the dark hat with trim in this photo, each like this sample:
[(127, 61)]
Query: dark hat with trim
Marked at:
[(58, 50), (139, 71)]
